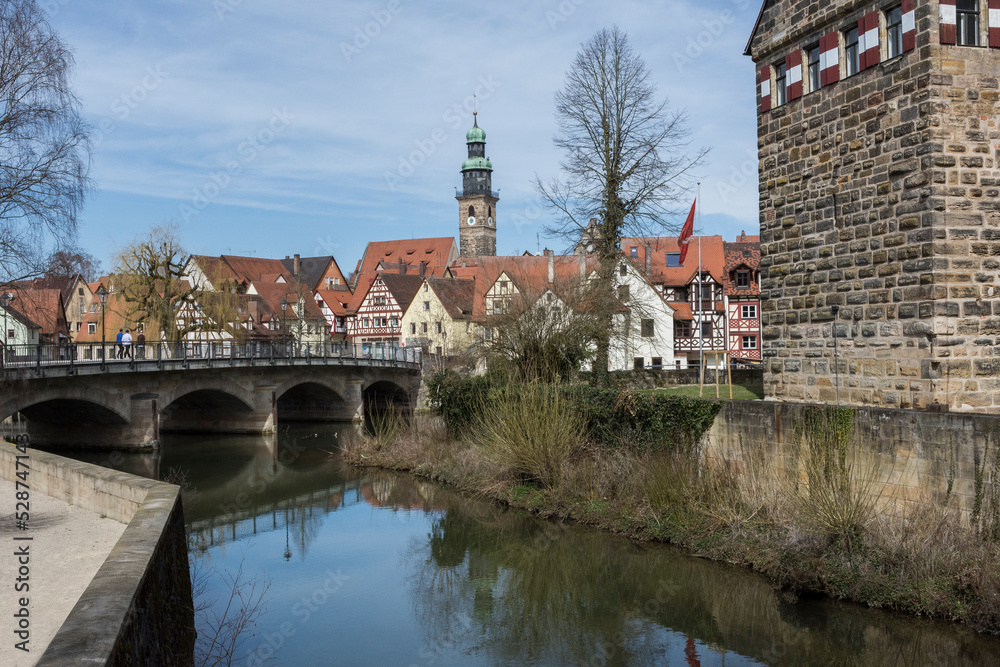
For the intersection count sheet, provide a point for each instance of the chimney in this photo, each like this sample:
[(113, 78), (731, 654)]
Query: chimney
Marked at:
[(743, 236), (552, 265), (649, 259), (423, 269), (296, 266), (402, 267)]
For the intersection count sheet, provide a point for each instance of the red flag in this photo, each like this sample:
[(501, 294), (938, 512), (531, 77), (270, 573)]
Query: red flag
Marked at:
[(686, 231)]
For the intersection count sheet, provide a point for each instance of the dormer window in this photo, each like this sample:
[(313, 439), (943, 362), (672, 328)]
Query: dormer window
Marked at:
[(743, 279)]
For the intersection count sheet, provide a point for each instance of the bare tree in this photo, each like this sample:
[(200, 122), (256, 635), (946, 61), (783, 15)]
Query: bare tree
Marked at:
[(44, 142), (627, 162), (68, 263)]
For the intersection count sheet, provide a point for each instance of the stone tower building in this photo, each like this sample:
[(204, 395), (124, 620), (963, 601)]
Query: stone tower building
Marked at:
[(477, 205), (880, 201)]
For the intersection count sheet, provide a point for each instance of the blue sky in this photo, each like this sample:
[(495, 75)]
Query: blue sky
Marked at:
[(270, 128)]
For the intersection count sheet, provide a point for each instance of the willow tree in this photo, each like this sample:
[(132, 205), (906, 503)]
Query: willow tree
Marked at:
[(151, 274), (44, 141), (627, 163)]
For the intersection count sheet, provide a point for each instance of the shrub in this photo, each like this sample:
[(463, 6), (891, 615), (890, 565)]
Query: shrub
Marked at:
[(531, 432)]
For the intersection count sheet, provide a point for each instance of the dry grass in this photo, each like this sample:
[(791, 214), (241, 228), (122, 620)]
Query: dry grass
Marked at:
[(828, 526)]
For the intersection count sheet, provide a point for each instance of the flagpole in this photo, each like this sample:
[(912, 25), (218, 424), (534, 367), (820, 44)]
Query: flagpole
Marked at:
[(701, 312)]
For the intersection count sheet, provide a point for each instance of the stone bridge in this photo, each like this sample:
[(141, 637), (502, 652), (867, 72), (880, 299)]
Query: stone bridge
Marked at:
[(127, 404)]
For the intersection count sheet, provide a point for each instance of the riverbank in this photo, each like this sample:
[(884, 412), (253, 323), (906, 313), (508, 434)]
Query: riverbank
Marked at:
[(837, 539)]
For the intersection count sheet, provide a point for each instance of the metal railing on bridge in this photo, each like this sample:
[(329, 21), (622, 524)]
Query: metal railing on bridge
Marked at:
[(170, 352)]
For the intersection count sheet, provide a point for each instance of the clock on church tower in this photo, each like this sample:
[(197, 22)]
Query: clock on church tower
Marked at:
[(477, 205)]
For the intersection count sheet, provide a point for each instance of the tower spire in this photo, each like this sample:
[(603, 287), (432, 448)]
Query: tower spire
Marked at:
[(477, 202)]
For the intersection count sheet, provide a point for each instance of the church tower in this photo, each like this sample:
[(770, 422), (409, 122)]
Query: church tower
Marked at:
[(477, 204)]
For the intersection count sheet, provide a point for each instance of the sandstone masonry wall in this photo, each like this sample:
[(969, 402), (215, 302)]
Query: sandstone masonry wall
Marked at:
[(879, 199)]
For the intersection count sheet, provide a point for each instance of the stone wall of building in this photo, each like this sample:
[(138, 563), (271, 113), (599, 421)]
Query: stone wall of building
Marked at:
[(879, 211)]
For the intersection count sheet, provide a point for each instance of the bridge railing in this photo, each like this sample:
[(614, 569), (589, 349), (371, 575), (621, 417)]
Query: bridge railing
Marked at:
[(106, 354)]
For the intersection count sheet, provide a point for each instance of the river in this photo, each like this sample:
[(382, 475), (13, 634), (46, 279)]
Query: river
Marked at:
[(372, 568)]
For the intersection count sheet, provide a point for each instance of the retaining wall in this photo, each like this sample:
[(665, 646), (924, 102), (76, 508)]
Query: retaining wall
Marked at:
[(917, 454), (138, 609)]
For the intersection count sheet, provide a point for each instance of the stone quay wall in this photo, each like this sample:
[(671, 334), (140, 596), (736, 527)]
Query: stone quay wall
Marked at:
[(138, 609), (914, 456), (880, 213)]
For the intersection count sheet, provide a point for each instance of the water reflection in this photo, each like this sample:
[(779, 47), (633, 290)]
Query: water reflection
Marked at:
[(484, 585)]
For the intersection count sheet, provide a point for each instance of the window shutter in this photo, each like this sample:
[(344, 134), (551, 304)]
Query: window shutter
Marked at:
[(868, 40), (949, 29), (829, 59), (910, 25), (994, 23), (765, 88), (793, 74)]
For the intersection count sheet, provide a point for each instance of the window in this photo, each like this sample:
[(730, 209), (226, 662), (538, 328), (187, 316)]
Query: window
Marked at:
[(706, 329), (812, 62), (83, 308), (682, 329), (673, 259), (395, 321), (487, 334), (91, 327), (622, 271), (504, 285), (657, 363), (851, 51), (437, 327), (426, 287), (623, 293), (93, 307), (749, 342), (780, 92), (633, 252), (638, 363), (647, 328), (967, 15), (743, 279), (680, 294), (423, 327), (427, 305), (413, 327), (88, 353), (748, 312), (78, 325), (706, 292), (894, 32), (365, 323), (437, 350)]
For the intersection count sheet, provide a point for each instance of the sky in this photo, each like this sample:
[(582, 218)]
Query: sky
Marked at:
[(270, 128)]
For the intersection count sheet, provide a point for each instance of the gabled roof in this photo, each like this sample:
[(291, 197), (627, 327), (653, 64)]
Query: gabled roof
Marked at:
[(437, 253), (338, 301), (455, 295), (402, 287), (40, 308), (530, 275), (745, 252), (756, 24), (250, 269), (273, 293), (713, 258), (311, 269)]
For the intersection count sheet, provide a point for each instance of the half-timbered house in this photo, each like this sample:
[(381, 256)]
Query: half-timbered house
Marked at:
[(742, 285), (376, 321)]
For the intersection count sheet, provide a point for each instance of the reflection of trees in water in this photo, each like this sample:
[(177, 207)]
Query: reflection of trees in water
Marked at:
[(499, 582)]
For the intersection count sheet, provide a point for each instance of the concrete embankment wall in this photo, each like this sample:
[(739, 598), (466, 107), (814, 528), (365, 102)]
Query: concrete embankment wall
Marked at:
[(917, 454), (138, 609)]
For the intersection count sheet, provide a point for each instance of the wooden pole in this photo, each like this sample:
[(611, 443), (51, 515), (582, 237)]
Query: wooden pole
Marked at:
[(729, 374), (717, 354)]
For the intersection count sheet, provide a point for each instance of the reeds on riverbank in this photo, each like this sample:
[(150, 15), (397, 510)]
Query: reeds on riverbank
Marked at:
[(825, 527)]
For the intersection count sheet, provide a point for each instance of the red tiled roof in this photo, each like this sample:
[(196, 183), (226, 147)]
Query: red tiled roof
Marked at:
[(40, 307), (402, 287), (338, 301), (389, 256), (713, 258), (529, 273)]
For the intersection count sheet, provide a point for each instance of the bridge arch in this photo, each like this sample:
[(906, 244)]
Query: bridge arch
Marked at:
[(202, 406), (68, 406), (312, 399)]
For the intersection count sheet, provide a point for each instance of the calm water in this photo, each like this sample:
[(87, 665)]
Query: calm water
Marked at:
[(369, 568)]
